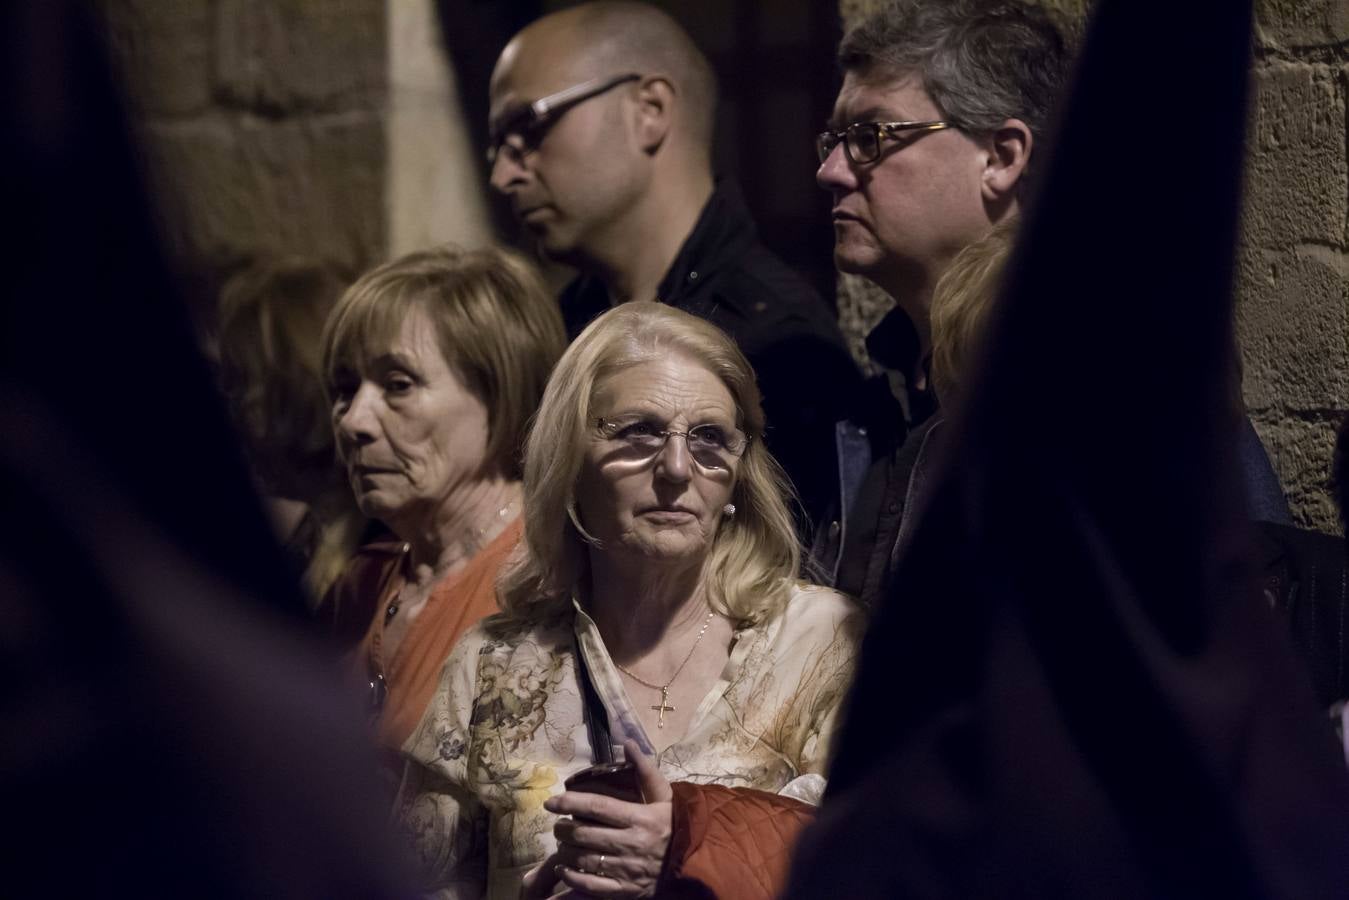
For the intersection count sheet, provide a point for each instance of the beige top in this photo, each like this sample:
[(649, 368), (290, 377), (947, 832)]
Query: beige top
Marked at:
[(506, 727)]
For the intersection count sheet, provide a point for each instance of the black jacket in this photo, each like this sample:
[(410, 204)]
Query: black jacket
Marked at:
[(896, 434), (723, 273), (877, 509)]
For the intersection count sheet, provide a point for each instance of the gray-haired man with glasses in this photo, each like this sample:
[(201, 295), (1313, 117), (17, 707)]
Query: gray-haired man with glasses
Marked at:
[(600, 130), (929, 146)]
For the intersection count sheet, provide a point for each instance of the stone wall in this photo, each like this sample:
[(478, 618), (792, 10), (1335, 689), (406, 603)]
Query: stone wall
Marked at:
[(1293, 278), (262, 123), (434, 191), (1293, 312)]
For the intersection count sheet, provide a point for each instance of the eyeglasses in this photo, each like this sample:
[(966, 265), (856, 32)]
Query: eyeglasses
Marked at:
[(711, 446), (862, 140), (529, 124)]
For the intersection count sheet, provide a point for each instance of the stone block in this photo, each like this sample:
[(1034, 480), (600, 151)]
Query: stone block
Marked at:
[(1293, 324), (1297, 178), (1294, 24), (233, 186), (1302, 451), (283, 55), (163, 49), (434, 189)]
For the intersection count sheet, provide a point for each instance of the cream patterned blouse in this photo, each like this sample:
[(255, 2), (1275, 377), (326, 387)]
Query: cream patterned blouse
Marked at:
[(506, 727)]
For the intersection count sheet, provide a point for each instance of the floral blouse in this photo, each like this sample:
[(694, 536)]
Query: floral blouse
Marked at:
[(506, 727)]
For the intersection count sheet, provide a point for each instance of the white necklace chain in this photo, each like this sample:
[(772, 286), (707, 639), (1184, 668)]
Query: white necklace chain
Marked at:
[(396, 602), (501, 514)]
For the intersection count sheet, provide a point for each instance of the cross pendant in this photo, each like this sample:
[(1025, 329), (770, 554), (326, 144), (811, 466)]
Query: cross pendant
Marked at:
[(664, 707)]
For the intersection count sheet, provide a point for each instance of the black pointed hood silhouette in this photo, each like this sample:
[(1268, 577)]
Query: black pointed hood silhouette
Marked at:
[(168, 727), (1073, 687)]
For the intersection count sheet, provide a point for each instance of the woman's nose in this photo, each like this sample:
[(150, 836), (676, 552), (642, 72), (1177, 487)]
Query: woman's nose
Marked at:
[(673, 462), (357, 423)]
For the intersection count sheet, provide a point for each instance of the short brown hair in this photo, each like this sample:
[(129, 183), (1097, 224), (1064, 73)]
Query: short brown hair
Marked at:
[(496, 324)]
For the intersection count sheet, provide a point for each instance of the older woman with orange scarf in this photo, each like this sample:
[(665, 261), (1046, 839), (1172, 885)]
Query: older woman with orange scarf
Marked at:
[(435, 363)]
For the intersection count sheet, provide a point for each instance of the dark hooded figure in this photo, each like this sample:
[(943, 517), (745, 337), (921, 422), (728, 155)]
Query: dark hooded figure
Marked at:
[(1073, 687), (165, 726)]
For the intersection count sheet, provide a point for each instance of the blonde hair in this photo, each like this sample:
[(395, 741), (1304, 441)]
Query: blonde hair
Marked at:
[(754, 557), (961, 302), (497, 326)]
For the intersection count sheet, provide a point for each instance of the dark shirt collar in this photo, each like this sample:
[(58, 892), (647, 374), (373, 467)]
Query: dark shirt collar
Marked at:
[(894, 344), (723, 232)]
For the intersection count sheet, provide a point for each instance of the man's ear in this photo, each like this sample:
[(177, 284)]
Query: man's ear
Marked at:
[(656, 98), (1009, 149)]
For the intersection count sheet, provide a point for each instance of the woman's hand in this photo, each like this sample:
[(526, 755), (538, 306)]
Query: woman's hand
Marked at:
[(541, 882), (609, 848)]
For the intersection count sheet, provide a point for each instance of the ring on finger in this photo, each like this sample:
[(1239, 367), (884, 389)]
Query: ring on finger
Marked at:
[(599, 867)]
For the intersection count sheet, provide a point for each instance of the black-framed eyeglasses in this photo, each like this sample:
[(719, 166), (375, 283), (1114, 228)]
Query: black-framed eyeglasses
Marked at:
[(711, 446), (862, 140), (530, 123)]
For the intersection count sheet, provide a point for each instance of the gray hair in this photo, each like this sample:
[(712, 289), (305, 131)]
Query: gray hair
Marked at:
[(981, 61)]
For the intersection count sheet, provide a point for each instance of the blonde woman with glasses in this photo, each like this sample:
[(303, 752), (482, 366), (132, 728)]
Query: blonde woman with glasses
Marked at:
[(654, 617)]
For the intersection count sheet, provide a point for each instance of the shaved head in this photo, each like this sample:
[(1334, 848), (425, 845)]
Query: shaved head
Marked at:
[(616, 178), (603, 39)]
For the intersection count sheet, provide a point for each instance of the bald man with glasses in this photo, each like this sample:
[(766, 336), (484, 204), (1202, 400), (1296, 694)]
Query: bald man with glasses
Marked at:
[(600, 132)]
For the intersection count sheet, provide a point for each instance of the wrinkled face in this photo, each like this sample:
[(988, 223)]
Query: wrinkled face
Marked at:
[(408, 431), (900, 219), (666, 507), (571, 182)]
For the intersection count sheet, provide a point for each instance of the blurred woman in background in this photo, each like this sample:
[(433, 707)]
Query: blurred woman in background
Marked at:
[(435, 363), (270, 320)]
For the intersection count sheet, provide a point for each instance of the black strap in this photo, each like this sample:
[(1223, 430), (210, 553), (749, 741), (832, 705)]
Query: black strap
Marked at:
[(597, 719)]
